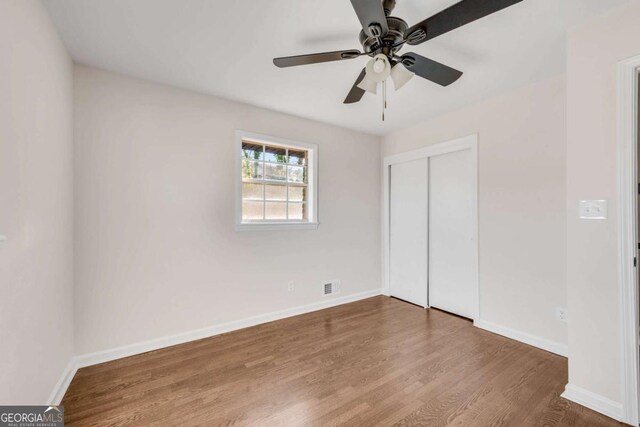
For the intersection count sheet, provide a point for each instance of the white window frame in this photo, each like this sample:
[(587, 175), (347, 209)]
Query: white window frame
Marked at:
[(311, 223)]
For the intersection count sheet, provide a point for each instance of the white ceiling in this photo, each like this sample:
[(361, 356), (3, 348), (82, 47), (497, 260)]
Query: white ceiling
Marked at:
[(225, 48)]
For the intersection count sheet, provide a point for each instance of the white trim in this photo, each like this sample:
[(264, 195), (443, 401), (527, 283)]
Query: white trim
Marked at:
[(542, 343), (312, 184), (63, 383), (466, 143), (386, 226), (458, 144), (627, 229), (270, 226), (168, 341), (593, 401)]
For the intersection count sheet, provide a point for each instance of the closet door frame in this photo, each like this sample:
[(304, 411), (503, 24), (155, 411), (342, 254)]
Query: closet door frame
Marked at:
[(465, 143)]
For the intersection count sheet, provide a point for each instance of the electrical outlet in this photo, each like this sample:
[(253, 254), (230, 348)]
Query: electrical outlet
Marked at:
[(291, 286), (593, 209), (561, 314)]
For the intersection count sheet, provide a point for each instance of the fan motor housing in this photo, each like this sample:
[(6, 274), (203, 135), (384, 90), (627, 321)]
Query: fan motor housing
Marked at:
[(397, 28)]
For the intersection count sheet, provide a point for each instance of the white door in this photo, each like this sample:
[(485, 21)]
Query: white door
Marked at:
[(452, 253), (408, 231)]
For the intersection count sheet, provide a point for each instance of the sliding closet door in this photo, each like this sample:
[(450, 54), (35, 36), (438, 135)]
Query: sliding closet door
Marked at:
[(408, 231), (452, 252)]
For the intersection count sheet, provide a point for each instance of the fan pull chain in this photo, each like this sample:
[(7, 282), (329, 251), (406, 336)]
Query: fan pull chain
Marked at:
[(385, 94), (384, 97)]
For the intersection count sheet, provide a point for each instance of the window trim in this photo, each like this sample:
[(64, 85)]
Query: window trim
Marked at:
[(312, 185)]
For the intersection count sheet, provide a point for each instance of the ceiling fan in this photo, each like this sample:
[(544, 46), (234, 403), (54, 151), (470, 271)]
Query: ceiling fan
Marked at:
[(383, 36)]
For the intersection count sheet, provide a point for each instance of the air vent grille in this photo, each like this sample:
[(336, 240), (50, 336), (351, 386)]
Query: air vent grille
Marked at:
[(330, 288)]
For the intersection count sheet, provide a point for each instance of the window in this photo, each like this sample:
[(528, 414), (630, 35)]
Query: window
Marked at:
[(276, 183)]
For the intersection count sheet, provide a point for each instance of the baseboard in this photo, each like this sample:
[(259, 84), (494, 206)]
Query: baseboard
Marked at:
[(85, 360), (542, 343), (593, 401), (63, 383), (155, 344)]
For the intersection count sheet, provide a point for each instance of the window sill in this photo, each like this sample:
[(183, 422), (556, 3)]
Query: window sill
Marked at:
[(271, 226)]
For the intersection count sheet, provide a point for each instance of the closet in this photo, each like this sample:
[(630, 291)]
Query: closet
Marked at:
[(432, 227)]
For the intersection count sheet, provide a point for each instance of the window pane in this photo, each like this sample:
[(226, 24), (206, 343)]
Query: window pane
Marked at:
[(276, 192), (275, 172), (251, 170), (297, 174), (252, 151), (252, 191), (252, 211), (297, 194), (297, 211), (276, 210), (297, 157), (275, 182), (275, 154)]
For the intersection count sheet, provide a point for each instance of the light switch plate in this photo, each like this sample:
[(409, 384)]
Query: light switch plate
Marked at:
[(593, 209), (3, 237)]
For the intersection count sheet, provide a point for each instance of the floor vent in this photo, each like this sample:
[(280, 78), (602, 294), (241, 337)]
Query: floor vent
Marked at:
[(330, 288)]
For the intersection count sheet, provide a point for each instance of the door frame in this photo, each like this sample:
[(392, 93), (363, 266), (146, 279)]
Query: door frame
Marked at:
[(628, 72), (459, 144)]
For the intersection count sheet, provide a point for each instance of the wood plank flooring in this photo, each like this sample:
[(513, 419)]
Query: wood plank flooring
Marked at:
[(378, 361)]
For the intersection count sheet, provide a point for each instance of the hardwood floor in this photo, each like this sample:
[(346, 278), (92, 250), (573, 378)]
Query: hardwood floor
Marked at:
[(374, 362)]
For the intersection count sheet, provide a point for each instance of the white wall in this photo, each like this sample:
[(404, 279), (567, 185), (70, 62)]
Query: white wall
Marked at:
[(36, 204), (521, 201), (156, 249), (592, 246)]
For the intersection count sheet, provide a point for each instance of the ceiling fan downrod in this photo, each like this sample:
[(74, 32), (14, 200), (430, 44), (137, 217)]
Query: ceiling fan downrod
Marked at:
[(388, 6)]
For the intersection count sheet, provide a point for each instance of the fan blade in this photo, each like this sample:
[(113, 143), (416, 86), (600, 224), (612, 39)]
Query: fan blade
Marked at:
[(315, 58), (356, 94), (371, 16), (430, 69), (456, 16)]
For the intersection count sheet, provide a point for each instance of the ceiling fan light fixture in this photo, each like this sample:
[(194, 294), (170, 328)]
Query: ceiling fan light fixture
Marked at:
[(400, 75), (378, 68), (369, 85)]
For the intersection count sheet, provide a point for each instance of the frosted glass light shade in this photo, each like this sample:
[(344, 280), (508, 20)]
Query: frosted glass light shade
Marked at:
[(378, 68), (368, 85), (400, 75)]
